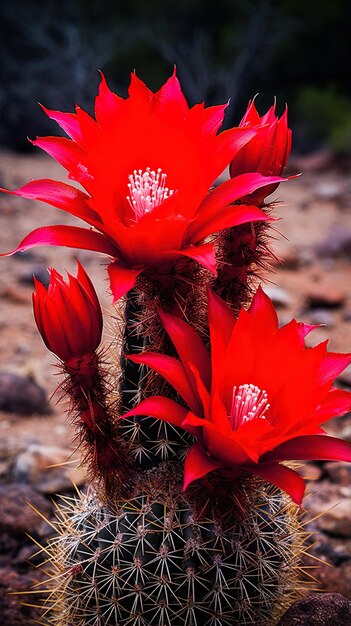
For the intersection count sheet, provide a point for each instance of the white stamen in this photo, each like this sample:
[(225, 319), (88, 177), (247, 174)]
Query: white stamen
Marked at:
[(147, 190), (248, 402)]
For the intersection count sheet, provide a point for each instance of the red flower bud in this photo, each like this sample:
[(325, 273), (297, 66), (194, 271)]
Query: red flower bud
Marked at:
[(268, 151), (68, 314)]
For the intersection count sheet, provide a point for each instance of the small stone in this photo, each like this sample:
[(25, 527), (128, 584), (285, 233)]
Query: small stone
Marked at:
[(339, 472), (332, 503), (322, 316), (15, 295), (325, 298), (22, 395), (326, 609), (279, 296), (46, 467), (18, 608), (17, 517), (40, 272), (329, 190), (310, 471), (337, 243)]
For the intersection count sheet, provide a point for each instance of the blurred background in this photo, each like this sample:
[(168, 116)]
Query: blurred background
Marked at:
[(50, 52), (294, 50)]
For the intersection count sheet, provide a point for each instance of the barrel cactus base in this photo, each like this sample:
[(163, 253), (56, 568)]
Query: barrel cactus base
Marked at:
[(159, 560)]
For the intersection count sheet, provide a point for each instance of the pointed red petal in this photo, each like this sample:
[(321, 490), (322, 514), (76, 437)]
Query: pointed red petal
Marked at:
[(107, 105), (169, 99), (337, 402), (59, 195), (160, 407), (226, 217), (197, 464), (282, 477), (189, 346), (67, 121), (311, 447), (64, 151), (70, 236), (332, 365), (264, 313), (205, 255), (173, 371), (122, 278), (221, 322)]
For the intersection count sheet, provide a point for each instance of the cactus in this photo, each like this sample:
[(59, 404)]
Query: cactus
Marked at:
[(156, 559), (191, 516)]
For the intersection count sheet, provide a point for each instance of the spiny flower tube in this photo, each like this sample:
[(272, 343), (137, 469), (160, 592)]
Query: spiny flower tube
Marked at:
[(69, 319), (268, 151), (256, 400), (146, 164), (68, 315)]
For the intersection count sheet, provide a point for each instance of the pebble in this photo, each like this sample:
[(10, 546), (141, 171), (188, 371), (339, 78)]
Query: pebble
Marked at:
[(329, 190), (278, 295), (39, 271), (339, 472), (17, 517), (322, 316), (22, 395), (18, 610), (332, 503), (46, 467), (337, 243), (327, 609), (325, 298)]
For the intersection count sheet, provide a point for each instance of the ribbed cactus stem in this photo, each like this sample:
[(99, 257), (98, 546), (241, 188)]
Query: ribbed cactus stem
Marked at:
[(105, 454)]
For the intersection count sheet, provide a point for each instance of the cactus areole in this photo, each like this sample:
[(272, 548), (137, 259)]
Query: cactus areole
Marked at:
[(190, 431)]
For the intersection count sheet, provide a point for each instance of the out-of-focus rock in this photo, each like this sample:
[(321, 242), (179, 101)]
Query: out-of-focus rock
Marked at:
[(310, 471), (15, 295), (39, 271), (323, 297), (326, 609), (14, 612), (332, 503), (20, 394), (337, 243), (46, 467), (329, 190), (17, 517), (316, 161), (279, 296), (322, 316), (339, 472)]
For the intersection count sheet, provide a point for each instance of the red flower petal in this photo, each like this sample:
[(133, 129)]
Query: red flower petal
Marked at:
[(70, 236), (205, 255), (189, 346), (264, 313), (173, 371), (67, 121), (122, 278), (226, 217), (332, 365), (163, 408), (68, 153), (282, 477), (311, 447), (197, 464), (59, 195), (337, 402)]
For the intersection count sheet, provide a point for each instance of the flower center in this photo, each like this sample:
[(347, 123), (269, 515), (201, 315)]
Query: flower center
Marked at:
[(147, 190), (248, 402)]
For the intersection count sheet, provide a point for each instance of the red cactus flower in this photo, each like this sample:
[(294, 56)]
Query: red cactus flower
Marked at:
[(68, 315), (267, 152), (257, 400), (146, 164)]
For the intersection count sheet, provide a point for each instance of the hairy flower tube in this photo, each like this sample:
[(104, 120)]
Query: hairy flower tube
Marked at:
[(68, 315), (147, 164), (268, 151), (257, 399)]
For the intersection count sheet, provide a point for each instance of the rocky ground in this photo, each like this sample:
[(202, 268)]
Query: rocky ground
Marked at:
[(37, 458)]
